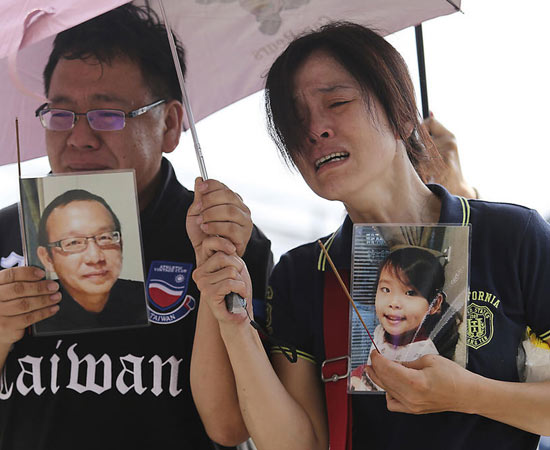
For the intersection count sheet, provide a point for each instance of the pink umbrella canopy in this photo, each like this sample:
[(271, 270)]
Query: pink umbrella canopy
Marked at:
[(229, 45)]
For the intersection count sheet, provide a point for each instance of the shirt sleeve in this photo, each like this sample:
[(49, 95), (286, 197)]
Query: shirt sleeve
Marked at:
[(259, 261), (291, 308), (534, 270)]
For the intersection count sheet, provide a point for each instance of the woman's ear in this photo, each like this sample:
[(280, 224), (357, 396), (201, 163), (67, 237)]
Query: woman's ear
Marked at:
[(435, 306), (409, 128), (173, 120)]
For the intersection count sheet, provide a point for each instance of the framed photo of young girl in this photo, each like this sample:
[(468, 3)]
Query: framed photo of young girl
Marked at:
[(410, 286)]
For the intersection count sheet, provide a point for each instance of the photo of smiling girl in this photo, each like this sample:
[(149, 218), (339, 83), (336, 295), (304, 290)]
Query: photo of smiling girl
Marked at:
[(409, 303)]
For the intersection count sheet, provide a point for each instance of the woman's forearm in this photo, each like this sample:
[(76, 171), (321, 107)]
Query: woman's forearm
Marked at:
[(213, 384), (274, 418), (521, 405)]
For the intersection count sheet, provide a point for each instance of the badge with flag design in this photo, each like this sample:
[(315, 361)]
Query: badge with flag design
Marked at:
[(167, 285)]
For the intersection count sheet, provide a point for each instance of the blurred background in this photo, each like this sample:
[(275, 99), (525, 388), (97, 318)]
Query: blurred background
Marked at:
[(486, 73)]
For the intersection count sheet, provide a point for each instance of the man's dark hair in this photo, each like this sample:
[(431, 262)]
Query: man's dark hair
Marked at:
[(378, 68), (127, 31), (64, 199)]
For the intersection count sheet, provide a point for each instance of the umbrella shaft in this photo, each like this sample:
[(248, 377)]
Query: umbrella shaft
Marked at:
[(186, 103), (422, 71)]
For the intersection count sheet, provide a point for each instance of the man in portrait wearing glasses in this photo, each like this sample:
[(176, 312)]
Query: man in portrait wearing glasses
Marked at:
[(114, 102), (79, 239)]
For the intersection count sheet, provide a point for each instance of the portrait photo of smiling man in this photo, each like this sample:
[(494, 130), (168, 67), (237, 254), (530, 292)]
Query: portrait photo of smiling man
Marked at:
[(79, 242)]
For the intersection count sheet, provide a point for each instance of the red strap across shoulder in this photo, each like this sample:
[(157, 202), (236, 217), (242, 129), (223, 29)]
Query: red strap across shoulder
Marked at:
[(336, 366)]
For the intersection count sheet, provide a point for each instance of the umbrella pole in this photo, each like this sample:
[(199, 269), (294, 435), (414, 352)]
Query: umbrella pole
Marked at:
[(422, 70), (233, 302), (186, 103)]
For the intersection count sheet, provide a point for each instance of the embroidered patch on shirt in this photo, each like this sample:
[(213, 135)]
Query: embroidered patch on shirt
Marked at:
[(480, 326), (167, 284)]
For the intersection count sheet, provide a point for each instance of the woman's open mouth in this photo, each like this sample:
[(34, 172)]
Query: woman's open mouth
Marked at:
[(332, 157)]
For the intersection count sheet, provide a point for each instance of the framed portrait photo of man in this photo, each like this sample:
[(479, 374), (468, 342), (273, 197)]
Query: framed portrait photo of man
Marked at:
[(410, 286), (84, 231)]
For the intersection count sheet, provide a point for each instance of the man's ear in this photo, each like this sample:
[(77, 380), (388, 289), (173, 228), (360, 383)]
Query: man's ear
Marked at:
[(173, 119), (45, 258)]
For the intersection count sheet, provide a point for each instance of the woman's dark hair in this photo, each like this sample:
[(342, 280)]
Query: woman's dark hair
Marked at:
[(421, 269), (128, 31), (378, 68)]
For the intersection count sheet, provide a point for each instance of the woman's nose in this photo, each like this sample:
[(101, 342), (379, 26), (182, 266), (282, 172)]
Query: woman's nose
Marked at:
[(313, 138), (320, 127)]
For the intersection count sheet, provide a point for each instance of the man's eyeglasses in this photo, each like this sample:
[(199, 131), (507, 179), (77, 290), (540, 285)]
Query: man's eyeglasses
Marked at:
[(56, 119), (79, 244)]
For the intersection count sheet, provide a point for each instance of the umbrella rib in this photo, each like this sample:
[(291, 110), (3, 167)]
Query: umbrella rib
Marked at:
[(450, 2)]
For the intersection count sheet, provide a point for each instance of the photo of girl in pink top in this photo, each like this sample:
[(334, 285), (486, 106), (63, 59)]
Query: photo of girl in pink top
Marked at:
[(409, 303)]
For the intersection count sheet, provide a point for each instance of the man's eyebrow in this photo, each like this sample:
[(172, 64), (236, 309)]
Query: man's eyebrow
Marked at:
[(76, 233), (96, 97), (59, 99), (110, 98)]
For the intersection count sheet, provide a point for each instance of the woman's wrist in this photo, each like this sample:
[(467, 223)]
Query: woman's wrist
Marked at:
[(237, 330)]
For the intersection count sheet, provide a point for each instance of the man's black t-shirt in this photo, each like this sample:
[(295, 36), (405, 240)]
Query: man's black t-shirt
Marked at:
[(123, 388)]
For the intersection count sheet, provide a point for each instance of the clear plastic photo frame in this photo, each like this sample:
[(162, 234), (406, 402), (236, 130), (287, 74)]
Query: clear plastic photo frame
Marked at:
[(116, 267), (410, 285)]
